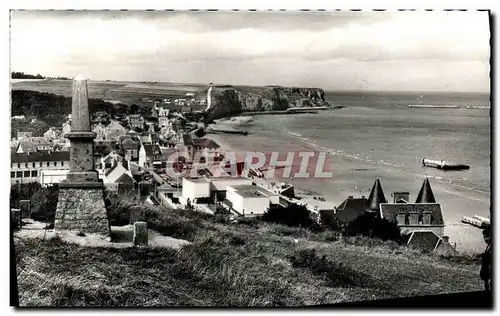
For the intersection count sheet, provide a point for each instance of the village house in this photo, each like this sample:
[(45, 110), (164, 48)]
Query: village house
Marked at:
[(24, 135), (136, 121), (100, 131), (27, 167), (66, 128), (34, 144), (249, 200), (149, 156), (423, 215), (204, 147), (114, 130), (130, 149), (146, 139), (52, 134), (119, 173), (100, 117)]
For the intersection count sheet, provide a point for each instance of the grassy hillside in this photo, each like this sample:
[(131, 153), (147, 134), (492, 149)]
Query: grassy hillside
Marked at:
[(244, 264)]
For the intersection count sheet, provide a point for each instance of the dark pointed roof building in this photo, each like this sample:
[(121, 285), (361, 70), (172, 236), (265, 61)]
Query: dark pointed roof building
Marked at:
[(425, 195), (376, 197)]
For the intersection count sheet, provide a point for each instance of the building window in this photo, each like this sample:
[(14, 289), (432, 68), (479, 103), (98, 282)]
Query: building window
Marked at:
[(25, 165), (40, 163), (55, 163), (33, 164), (48, 164), (19, 174), (414, 218), (62, 163), (12, 174), (34, 173), (401, 219), (426, 218), (19, 165), (27, 174)]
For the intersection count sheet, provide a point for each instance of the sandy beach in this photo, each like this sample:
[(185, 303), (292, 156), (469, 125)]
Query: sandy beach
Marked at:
[(353, 176)]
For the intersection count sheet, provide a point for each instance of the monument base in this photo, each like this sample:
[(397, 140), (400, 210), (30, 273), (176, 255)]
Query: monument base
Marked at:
[(81, 208)]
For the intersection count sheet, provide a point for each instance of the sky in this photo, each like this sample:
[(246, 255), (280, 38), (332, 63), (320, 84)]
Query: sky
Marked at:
[(367, 51)]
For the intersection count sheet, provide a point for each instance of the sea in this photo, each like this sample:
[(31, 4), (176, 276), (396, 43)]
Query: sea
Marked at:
[(376, 135)]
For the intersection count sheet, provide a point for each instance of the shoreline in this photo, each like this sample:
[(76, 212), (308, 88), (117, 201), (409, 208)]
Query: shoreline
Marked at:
[(467, 237)]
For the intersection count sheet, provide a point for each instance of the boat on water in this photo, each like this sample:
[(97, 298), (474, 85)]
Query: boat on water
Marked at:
[(443, 164), (477, 107), (227, 131), (433, 106), (478, 221)]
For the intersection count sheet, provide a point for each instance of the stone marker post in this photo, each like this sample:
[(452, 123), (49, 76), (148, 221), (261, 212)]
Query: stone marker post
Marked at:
[(16, 216), (140, 233), (25, 207), (80, 206), (137, 214)]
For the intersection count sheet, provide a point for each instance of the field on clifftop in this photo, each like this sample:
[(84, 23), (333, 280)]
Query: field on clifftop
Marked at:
[(244, 264), (126, 92)]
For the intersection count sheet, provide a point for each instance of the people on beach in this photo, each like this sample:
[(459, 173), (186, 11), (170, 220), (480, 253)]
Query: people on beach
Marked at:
[(486, 262)]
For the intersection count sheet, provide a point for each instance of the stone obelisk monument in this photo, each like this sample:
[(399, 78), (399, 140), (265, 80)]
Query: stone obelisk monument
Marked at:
[(81, 196)]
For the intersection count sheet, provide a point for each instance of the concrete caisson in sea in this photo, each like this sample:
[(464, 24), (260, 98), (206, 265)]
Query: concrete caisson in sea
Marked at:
[(444, 165)]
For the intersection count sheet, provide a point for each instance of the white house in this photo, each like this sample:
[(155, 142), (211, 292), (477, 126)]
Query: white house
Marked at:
[(150, 155), (48, 177), (119, 172), (26, 167), (249, 200), (195, 188), (219, 185)]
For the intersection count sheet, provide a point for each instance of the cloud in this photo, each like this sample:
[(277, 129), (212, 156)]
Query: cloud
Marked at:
[(253, 46)]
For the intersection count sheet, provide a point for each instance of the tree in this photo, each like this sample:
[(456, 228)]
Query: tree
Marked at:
[(374, 227), (293, 215)]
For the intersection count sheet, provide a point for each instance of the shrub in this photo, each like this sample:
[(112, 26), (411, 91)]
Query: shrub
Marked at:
[(44, 204), (373, 227), (293, 215), (336, 273), (22, 191)]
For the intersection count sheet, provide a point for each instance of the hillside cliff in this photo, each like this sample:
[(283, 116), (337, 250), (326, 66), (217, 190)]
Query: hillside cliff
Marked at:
[(230, 100)]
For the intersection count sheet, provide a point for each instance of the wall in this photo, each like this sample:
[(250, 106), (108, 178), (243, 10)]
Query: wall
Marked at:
[(255, 205), (194, 190), (38, 166), (222, 184)]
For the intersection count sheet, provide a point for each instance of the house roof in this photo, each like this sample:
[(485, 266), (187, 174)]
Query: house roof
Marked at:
[(129, 144), (390, 211), (206, 143), (27, 146), (249, 190), (376, 197), (125, 178), (167, 152), (40, 156), (424, 240), (152, 150), (350, 209), (187, 139), (425, 195)]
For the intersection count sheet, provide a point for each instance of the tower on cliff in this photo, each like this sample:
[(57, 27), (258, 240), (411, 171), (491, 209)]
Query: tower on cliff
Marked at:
[(80, 206), (209, 96)]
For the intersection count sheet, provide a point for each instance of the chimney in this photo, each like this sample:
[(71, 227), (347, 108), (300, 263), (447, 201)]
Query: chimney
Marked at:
[(445, 239)]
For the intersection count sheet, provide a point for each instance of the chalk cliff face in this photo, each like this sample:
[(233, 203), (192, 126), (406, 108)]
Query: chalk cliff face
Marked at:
[(230, 100)]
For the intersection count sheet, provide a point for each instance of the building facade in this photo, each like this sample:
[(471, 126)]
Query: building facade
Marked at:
[(27, 167)]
